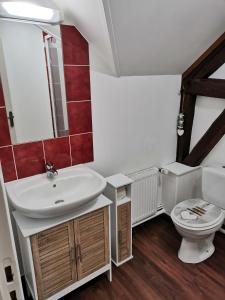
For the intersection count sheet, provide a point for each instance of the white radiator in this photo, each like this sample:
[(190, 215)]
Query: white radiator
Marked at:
[(144, 194)]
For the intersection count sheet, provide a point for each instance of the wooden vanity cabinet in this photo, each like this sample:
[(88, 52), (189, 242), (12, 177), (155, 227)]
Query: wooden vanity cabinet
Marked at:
[(70, 252)]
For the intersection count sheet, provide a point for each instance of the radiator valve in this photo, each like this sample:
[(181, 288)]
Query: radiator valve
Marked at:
[(163, 171)]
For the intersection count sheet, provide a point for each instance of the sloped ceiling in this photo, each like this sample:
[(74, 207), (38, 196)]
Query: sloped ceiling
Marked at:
[(147, 37), (89, 18)]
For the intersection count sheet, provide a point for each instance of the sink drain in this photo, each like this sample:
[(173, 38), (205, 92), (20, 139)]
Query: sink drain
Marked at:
[(59, 201)]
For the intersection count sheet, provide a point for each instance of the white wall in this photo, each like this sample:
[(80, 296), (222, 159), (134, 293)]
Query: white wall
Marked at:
[(134, 121), (206, 111)]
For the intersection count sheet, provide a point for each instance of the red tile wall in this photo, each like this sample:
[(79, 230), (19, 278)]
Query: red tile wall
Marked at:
[(23, 160)]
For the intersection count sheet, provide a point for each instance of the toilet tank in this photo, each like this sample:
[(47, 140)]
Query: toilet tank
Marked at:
[(213, 185), (179, 183)]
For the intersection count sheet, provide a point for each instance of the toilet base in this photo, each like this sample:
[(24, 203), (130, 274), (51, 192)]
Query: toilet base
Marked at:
[(194, 251)]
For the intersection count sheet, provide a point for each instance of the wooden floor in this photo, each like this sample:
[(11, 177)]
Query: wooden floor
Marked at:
[(156, 273)]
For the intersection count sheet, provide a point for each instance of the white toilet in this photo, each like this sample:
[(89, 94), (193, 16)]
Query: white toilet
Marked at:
[(197, 220)]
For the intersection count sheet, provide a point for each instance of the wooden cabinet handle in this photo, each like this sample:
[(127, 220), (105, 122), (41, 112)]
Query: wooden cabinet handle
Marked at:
[(79, 256), (120, 236), (77, 252), (72, 254), (80, 253)]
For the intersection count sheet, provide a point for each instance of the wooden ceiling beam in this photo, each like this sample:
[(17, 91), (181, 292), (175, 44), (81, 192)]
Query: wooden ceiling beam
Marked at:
[(208, 62), (195, 82), (209, 140), (207, 87)]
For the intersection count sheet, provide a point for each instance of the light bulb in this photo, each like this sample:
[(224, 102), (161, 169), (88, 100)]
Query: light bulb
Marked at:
[(28, 10)]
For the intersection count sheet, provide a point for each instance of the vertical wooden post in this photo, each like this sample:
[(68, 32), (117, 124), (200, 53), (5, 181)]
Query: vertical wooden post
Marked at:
[(188, 109)]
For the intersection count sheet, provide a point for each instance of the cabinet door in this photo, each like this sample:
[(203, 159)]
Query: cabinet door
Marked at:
[(124, 231), (92, 242), (54, 259)]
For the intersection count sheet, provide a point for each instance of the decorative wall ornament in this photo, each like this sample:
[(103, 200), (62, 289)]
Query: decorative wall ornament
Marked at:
[(180, 124)]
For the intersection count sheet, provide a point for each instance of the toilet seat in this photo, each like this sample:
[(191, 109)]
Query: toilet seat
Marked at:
[(208, 216)]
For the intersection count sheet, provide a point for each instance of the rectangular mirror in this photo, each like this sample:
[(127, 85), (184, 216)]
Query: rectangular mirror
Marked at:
[(32, 75)]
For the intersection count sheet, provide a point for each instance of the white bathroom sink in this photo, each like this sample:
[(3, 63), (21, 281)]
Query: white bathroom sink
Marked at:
[(41, 197)]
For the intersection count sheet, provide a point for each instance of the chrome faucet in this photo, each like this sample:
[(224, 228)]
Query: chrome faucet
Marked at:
[(51, 172)]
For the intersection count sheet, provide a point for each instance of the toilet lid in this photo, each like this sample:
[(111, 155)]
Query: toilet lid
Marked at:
[(196, 213)]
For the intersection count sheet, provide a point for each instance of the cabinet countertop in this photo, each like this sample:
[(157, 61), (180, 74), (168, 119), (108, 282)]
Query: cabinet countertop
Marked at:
[(30, 226)]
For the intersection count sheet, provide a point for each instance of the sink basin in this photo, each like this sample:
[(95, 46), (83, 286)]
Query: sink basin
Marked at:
[(41, 197)]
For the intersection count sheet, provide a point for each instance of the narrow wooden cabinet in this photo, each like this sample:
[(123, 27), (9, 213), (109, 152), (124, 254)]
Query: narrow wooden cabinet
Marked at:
[(124, 231), (119, 191), (70, 252)]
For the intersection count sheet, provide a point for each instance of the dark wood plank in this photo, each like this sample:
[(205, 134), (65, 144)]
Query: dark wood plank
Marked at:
[(188, 109), (156, 273), (207, 87), (208, 62), (212, 136)]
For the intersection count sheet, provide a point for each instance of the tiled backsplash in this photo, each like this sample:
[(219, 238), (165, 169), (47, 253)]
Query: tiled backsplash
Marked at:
[(19, 161)]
